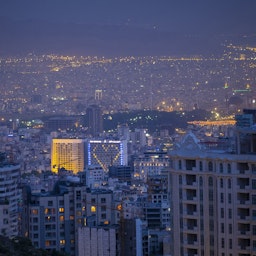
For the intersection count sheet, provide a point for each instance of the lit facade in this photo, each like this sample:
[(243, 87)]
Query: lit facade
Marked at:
[(68, 154), (106, 153)]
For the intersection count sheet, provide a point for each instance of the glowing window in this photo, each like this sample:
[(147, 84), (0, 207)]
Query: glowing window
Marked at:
[(93, 208), (62, 241), (119, 207), (61, 218), (61, 209), (35, 211)]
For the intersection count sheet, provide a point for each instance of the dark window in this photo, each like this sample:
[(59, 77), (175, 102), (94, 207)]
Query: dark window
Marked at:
[(221, 167), (222, 227), (221, 183), (229, 168), (210, 166), (200, 166), (180, 165)]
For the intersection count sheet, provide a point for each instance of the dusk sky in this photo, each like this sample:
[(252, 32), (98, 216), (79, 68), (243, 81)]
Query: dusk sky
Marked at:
[(173, 15), (39, 24)]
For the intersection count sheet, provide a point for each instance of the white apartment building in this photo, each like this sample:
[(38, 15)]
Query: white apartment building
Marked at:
[(97, 241), (213, 195), (9, 199), (150, 164)]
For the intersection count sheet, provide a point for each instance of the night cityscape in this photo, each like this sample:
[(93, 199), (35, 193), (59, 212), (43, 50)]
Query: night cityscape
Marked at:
[(128, 128)]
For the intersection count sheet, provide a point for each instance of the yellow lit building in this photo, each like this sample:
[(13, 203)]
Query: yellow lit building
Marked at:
[(68, 154)]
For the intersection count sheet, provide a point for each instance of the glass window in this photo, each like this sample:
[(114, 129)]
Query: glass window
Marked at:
[(180, 165), (229, 168), (230, 228), (221, 197), (200, 166), (253, 199), (229, 184), (221, 183), (221, 167), (230, 213), (61, 209), (222, 212), (210, 181), (222, 227), (253, 184), (210, 166)]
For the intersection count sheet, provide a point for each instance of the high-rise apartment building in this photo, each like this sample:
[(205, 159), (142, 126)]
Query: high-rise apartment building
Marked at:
[(94, 120), (213, 195), (68, 154), (10, 197)]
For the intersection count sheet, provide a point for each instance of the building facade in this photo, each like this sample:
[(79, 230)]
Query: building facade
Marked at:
[(213, 195), (68, 154), (106, 153), (97, 241), (94, 120), (10, 198), (54, 218)]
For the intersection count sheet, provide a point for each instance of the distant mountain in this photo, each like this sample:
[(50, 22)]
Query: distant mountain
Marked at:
[(103, 40)]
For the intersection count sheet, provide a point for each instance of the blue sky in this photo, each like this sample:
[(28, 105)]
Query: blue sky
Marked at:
[(173, 15)]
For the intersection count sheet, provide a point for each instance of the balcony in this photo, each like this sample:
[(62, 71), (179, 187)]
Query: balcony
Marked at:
[(190, 229), (243, 187), (244, 233), (244, 248), (244, 202), (244, 217)]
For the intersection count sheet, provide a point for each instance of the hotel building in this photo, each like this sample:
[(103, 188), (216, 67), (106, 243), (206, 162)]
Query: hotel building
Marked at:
[(68, 154), (106, 153)]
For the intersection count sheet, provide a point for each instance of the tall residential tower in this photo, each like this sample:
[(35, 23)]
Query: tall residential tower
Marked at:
[(213, 195)]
